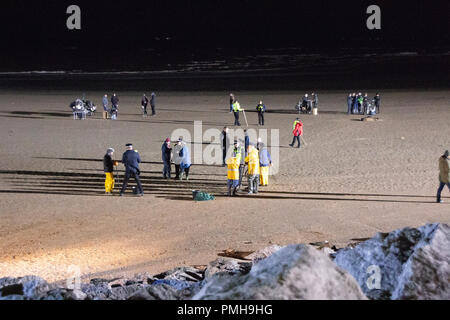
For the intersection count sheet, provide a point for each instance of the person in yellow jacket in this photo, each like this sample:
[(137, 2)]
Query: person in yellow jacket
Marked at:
[(252, 161), (236, 109), (233, 175)]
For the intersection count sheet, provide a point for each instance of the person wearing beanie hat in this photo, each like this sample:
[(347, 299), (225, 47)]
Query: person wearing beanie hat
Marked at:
[(131, 161), (166, 150), (444, 174), (108, 165)]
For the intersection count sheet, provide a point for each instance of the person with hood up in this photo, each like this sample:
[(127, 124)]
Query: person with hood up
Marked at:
[(444, 174), (166, 151), (265, 162)]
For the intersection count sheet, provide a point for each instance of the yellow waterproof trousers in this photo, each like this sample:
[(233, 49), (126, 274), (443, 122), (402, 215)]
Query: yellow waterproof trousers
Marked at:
[(109, 182), (264, 176)]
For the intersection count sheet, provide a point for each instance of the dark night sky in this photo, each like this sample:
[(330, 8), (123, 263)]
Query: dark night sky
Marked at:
[(39, 27)]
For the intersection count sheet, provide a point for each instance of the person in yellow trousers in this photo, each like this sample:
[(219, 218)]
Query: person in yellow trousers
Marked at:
[(233, 175), (108, 165), (265, 162), (252, 161)]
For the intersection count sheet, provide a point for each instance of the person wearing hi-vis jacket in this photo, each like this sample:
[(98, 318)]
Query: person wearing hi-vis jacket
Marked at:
[(253, 169)]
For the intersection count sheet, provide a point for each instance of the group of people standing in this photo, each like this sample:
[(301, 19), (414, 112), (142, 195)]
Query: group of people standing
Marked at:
[(308, 103), (179, 154), (255, 157), (114, 110), (361, 104)]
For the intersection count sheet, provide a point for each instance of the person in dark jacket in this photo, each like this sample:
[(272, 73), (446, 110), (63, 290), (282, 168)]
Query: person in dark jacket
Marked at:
[(365, 103), (114, 106), (315, 100), (246, 142), (261, 108), (377, 99), (153, 103), (144, 104), (225, 142), (166, 150), (306, 103), (355, 103), (349, 103), (108, 168), (131, 160)]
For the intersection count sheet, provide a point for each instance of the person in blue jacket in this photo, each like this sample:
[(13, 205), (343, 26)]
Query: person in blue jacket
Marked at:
[(349, 103), (185, 156), (131, 161), (105, 103)]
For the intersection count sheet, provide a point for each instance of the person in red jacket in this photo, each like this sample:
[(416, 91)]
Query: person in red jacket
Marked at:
[(298, 132)]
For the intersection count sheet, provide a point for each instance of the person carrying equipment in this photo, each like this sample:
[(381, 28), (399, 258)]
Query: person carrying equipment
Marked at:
[(236, 109), (261, 108), (108, 165), (265, 161), (233, 175), (131, 160), (238, 153), (252, 161), (444, 174), (144, 104), (297, 132), (166, 151)]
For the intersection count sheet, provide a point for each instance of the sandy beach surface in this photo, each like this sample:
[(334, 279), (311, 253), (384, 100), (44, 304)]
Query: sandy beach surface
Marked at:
[(352, 180)]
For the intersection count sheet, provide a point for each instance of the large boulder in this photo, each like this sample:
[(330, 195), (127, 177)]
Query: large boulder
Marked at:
[(263, 253), (294, 272), (404, 264), (30, 287)]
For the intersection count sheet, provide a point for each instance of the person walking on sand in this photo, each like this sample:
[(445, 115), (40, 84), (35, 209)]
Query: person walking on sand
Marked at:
[(225, 142), (261, 108), (236, 110), (252, 160), (153, 103), (144, 104), (297, 132), (166, 151), (131, 161), (108, 165), (444, 174)]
